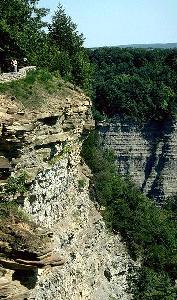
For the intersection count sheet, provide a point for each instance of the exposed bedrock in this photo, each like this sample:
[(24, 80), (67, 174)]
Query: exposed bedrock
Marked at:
[(147, 153), (84, 260)]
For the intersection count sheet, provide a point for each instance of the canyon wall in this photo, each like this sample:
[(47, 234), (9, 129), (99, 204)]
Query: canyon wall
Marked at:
[(146, 152), (45, 144)]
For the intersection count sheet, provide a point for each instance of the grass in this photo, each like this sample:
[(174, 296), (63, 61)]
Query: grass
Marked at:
[(11, 209), (29, 90)]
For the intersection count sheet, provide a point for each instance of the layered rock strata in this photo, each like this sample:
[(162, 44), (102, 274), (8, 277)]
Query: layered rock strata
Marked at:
[(96, 262), (87, 262), (146, 152), (24, 250)]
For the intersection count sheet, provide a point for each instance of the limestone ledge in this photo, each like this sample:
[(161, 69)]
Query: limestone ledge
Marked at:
[(24, 250), (31, 140), (96, 262)]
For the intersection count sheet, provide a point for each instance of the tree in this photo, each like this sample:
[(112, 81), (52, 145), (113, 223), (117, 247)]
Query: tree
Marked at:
[(135, 83), (21, 27), (72, 61), (63, 32)]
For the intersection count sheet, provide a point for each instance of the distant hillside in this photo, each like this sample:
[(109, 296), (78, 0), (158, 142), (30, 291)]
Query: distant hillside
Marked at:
[(144, 46), (151, 46)]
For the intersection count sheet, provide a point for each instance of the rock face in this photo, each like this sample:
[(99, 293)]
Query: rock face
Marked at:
[(24, 248), (148, 153), (96, 262), (86, 261)]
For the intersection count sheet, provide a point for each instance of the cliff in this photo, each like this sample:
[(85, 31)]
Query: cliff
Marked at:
[(65, 250), (146, 152)]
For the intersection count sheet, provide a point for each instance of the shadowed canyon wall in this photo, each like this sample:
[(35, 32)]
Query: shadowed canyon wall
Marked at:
[(147, 153)]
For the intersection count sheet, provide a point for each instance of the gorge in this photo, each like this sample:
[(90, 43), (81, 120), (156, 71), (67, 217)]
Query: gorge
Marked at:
[(58, 244), (88, 161)]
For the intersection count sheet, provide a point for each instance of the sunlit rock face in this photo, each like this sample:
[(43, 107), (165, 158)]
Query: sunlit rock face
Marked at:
[(96, 262), (146, 152), (84, 261)]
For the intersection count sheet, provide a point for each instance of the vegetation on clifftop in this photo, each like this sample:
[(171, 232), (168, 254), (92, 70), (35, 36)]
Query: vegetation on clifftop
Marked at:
[(135, 83), (60, 48), (32, 90)]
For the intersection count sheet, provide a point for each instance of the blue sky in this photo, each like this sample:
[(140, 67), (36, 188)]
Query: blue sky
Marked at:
[(119, 22)]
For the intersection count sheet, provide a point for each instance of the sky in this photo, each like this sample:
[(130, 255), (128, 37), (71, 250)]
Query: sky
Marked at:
[(121, 22)]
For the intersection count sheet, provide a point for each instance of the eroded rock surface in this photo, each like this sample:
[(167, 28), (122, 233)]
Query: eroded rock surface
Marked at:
[(147, 152), (23, 250), (85, 261), (96, 262)]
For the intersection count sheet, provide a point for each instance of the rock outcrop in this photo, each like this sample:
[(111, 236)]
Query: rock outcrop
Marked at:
[(85, 260), (24, 248), (147, 153)]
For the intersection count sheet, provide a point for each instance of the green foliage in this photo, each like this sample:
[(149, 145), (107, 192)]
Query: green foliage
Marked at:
[(63, 32), (81, 183), (149, 231), (55, 159), (16, 184), (28, 90), (152, 285), (59, 49), (136, 83), (72, 60), (21, 24), (10, 210), (66, 149), (97, 115)]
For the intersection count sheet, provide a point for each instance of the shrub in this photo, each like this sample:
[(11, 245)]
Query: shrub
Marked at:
[(10, 209), (16, 184), (81, 183)]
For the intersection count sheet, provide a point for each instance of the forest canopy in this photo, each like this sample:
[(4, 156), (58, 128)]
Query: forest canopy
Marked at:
[(149, 230), (136, 83)]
